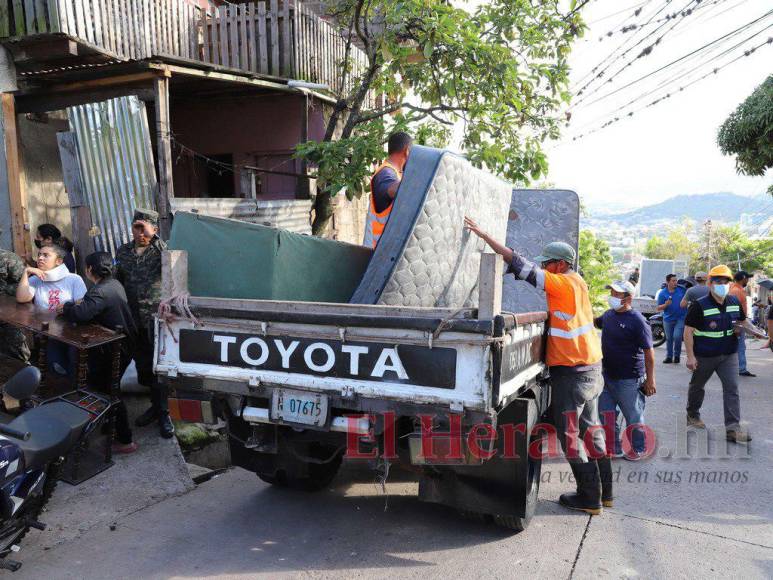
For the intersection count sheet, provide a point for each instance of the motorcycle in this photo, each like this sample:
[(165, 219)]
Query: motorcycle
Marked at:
[(33, 450), (658, 331)]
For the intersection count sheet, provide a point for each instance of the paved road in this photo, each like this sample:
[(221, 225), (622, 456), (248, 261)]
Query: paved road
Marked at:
[(675, 517)]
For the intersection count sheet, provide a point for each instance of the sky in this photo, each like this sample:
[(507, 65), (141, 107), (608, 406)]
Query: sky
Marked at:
[(670, 148)]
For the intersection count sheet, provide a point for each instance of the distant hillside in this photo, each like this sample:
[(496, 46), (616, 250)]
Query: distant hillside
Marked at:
[(724, 206)]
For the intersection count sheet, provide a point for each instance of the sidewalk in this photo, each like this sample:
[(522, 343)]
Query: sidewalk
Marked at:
[(674, 518)]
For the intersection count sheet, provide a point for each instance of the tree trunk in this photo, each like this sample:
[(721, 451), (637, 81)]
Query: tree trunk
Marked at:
[(323, 212)]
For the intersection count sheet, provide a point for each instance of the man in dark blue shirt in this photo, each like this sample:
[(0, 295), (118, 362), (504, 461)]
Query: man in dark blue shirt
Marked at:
[(670, 304), (629, 367)]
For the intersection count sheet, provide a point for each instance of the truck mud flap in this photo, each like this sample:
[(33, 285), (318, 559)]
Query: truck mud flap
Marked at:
[(502, 486)]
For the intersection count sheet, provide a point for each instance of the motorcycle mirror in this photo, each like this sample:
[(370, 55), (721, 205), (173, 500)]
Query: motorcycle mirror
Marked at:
[(23, 384)]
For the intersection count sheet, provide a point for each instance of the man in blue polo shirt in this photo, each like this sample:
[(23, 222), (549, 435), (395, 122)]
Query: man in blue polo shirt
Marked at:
[(628, 364), (670, 304)]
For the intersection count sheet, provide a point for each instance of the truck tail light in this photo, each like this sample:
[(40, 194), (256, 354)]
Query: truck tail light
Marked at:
[(191, 410)]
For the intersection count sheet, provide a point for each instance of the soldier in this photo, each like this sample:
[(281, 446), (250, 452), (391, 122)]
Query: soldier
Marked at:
[(138, 268), (12, 341)]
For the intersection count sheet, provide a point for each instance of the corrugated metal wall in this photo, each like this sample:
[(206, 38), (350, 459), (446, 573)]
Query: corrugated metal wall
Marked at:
[(117, 166), (293, 215)]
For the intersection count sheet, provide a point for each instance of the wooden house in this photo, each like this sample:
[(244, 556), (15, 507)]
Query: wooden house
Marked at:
[(182, 104)]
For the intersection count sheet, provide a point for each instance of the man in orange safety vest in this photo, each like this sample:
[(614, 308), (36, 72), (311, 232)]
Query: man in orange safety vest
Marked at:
[(573, 356), (383, 187)]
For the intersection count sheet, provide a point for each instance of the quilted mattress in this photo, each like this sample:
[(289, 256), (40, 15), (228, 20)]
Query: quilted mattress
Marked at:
[(425, 256), (537, 217)]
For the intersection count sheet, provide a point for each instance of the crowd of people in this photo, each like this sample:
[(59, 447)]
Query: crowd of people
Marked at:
[(674, 299), (123, 294), (592, 382)]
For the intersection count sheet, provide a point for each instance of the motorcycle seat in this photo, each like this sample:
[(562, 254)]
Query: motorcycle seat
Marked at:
[(54, 429)]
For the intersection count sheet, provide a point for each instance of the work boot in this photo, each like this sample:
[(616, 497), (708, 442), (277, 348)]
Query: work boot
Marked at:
[(588, 496), (746, 374), (668, 360), (165, 426), (605, 474), (695, 422), (676, 360), (148, 417), (738, 436)]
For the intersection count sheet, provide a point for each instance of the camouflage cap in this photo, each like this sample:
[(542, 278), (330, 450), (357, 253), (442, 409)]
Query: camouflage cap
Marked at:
[(145, 215)]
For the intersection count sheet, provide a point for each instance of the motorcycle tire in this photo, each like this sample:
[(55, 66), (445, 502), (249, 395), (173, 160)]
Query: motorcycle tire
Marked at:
[(658, 335), (34, 507)]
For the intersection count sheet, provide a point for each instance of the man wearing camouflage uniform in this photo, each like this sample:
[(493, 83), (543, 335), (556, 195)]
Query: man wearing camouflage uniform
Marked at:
[(138, 268), (12, 341)]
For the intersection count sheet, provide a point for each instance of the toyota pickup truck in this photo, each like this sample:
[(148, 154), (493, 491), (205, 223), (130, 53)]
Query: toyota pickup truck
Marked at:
[(272, 334), (303, 386)]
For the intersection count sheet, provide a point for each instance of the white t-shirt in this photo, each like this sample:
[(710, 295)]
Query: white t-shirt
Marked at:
[(59, 287)]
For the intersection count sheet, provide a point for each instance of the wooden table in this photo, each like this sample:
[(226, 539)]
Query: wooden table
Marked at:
[(83, 337)]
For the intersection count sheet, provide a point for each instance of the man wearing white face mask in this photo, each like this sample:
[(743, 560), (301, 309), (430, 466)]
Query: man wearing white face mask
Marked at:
[(628, 365), (711, 339)]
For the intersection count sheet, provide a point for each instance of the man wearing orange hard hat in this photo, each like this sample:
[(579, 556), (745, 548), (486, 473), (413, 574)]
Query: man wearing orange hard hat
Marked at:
[(711, 338)]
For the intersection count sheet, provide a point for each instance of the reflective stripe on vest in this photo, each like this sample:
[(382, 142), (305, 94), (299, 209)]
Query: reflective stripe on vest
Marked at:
[(376, 221), (572, 333), (572, 340), (711, 312), (713, 333)]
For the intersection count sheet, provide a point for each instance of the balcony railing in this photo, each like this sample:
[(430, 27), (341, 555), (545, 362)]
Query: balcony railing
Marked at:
[(282, 38)]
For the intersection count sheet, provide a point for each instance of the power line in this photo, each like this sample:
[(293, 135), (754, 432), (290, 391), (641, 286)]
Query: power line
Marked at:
[(646, 51), (618, 29), (601, 74), (746, 53), (681, 58), (678, 76), (593, 72), (632, 14)]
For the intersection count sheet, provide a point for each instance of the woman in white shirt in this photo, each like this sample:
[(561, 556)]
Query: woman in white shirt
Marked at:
[(50, 286)]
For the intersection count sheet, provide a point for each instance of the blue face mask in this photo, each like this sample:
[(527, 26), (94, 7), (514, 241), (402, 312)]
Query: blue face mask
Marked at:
[(721, 290)]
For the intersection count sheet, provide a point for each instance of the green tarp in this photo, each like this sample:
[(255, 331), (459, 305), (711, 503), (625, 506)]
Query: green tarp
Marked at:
[(234, 259)]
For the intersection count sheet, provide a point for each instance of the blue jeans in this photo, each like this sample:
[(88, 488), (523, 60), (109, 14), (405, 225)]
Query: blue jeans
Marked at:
[(674, 331), (742, 352), (624, 394), (62, 358)]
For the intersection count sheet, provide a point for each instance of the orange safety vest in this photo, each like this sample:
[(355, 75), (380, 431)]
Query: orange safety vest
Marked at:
[(376, 222), (572, 339)]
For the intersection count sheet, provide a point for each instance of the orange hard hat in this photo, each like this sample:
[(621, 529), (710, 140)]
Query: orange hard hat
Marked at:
[(721, 271)]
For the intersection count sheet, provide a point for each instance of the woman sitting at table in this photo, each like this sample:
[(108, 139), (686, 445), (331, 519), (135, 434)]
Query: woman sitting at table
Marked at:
[(105, 303), (48, 287)]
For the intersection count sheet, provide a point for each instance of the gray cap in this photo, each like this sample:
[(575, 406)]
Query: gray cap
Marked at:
[(145, 215), (621, 286), (701, 276), (557, 251)]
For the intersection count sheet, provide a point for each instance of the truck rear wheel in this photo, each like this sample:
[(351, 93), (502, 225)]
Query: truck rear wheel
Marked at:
[(534, 471), (521, 477)]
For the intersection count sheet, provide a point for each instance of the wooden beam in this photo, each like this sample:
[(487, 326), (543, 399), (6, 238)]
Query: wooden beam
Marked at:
[(164, 141), (16, 190), (489, 286), (44, 102), (302, 187), (107, 81)]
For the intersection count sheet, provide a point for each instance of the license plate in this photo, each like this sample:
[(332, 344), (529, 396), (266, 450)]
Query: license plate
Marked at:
[(299, 407)]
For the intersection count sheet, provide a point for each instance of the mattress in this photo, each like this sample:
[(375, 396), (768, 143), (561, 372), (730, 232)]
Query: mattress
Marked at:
[(425, 257), (537, 217)]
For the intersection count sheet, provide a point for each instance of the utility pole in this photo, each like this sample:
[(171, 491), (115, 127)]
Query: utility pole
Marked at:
[(707, 225)]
